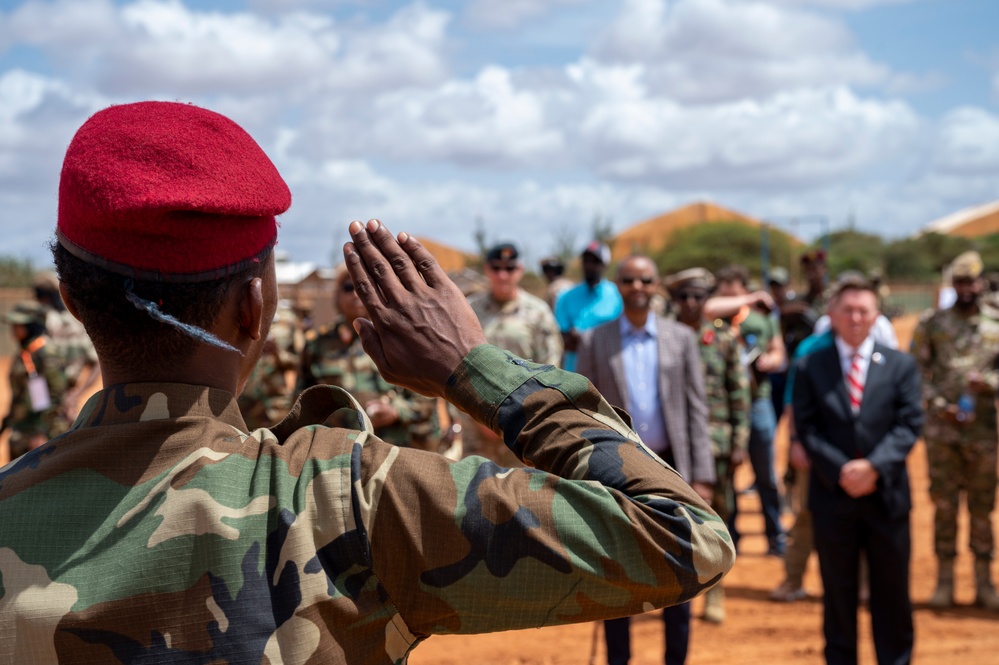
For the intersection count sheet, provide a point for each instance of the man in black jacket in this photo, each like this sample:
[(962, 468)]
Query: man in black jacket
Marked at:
[(857, 412)]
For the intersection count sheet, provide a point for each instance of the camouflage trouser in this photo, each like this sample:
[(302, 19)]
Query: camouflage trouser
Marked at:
[(958, 465), (474, 441), (723, 497), (801, 540)]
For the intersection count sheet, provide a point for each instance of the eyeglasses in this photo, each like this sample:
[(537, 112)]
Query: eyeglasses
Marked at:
[(646, 281), (691, 295), (347, 287), (503, 267)]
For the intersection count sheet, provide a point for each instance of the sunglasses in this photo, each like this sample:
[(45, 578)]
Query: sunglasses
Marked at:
[(646, 281), (691, 295), (503, 267), (347, 287)]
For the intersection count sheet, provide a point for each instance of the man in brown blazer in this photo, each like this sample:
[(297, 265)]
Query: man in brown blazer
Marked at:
[(650, 367)]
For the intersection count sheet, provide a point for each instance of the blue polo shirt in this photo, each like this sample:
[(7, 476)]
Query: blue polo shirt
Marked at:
[(582, 308)]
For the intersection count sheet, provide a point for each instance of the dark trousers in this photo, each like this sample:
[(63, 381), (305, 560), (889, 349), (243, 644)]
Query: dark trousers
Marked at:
[(763, 425), (677, 619), (842, 532)]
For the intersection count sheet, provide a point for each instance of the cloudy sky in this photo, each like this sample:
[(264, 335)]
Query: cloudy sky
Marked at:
[(532, 116)]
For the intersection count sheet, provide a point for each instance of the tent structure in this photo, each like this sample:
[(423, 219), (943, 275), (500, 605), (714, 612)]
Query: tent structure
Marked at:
[(973, 222)]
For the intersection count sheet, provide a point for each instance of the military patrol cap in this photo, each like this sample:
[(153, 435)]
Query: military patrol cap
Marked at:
[(505, 251), (967, 266), (26, 312), (693, 277), (165, 191), (599, 251), (779, 276)]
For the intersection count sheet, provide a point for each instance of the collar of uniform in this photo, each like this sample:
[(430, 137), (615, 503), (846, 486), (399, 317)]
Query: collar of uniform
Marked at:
[(140, 402), (508, 307)]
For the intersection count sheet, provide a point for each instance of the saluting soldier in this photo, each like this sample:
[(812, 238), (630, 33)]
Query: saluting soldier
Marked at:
[(160, 529), (727, 391)]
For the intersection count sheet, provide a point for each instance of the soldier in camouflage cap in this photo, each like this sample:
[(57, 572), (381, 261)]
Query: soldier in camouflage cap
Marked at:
[(333, 356), (37, 382), (161, 530), (956, 350), (515, 321), (70, 342), (726, 385), (268, 393)]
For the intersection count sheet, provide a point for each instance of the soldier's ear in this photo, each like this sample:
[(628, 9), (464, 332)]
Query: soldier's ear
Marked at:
[(70, 305), (251, 308)]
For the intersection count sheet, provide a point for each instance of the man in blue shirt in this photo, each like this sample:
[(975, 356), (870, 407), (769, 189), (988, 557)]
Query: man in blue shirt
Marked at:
[(588, 304)]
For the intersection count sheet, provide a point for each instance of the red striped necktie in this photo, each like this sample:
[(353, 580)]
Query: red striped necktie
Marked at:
[(855, 384)]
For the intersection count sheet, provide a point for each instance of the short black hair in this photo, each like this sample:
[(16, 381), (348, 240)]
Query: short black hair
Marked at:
[(126, 336), (733, 273)]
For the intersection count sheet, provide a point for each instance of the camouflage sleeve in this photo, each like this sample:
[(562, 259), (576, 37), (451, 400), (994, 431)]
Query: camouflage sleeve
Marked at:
[(599, 528), (413, 408), (739, 395), (305, 379), (921, 349), (548, 344)]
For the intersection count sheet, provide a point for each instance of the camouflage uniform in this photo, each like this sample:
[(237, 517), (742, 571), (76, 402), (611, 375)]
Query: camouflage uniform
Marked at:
[(726, 385), (36, 359), (333, 356), (308, 544), (524, 326), (948, 345), (266, 398), (70, 342)]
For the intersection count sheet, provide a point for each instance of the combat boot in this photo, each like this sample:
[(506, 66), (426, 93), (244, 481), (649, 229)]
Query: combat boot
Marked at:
[(943, 597), (985, 593), (714, 604)]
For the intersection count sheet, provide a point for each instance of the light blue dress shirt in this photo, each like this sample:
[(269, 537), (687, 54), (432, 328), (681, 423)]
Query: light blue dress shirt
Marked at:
[(640, 353)]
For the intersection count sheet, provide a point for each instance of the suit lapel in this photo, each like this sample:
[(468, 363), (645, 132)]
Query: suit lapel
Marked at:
[(617, 365), (834, 369), (875, 374), (664, 348)]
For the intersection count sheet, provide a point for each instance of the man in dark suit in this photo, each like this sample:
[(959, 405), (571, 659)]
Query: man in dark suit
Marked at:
[(858, 414), (650, 366)]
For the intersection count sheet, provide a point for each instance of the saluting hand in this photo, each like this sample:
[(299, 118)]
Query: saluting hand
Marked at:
[(419, 325)]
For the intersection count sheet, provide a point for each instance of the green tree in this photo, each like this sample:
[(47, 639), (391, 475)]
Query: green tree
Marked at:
[(719, 244), (922, 258), (853, 250), (16, 273)]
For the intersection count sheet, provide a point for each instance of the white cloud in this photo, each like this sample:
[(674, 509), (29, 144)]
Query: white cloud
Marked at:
[(705, 51), (508, 14), (968, 143), (841, 4), (162, 47), (800, 137)]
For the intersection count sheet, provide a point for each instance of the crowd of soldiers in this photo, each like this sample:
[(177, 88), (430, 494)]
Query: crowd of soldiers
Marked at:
[(746, 338)]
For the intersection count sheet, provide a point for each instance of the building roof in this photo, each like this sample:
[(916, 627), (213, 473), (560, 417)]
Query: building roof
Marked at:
[(449, 258), (292, 272), (973, 222), (651, 235)]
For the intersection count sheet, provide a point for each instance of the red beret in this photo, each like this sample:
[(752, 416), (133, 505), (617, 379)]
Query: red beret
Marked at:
[(169, 192)]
